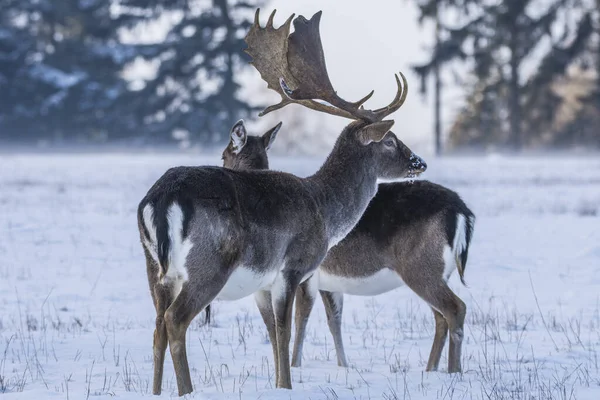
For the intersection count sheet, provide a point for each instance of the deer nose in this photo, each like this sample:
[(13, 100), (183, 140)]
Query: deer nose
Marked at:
[(417, 163)]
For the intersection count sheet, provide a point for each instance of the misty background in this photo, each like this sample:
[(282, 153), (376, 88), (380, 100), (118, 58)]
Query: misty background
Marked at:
[(483, 75)]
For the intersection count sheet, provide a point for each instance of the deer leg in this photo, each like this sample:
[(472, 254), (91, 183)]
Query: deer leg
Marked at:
[(439, 297), (456, 319), (453, 309), (265, 307), (162, 298), (282, 294), (334, 304), (305, 300), (178, 318), (190, 302), (439, 340)]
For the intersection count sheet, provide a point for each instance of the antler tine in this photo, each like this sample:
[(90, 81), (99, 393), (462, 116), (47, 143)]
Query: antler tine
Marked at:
[(312, 104), (363, 100), (256, 14), (268, 48), (270, 21), (401, 94)]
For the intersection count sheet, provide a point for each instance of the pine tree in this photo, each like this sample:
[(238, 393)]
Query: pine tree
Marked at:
[(443, 52), (195, 89), (582, 128), (69, 76), (497, 40), (541, 101), (16, 45)]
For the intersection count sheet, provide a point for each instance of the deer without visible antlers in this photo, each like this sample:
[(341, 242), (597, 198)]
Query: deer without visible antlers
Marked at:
[(211, 232), (411, 233)]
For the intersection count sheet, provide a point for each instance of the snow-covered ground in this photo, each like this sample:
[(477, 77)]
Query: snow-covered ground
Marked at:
[(76, 318)]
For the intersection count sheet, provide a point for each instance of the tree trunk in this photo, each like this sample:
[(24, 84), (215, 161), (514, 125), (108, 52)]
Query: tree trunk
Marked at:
[(438, 89), (598, 55), (229, 85), (514, 92)]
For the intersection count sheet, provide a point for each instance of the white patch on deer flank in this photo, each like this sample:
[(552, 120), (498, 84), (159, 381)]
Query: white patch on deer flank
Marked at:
[(382, 281), (244, 281), (449, 262), (452, 255), (179, 249), (148, 220), (460, 237)]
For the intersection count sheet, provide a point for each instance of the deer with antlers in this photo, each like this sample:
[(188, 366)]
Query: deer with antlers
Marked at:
[(413, 233), (215, 233)]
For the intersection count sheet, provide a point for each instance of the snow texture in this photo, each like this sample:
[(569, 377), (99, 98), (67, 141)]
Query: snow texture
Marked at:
[(76, 317)]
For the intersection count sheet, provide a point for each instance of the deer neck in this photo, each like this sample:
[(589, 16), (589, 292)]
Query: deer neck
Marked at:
[(343, 188)]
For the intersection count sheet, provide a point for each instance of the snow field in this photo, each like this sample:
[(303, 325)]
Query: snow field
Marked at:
[(76, 318)]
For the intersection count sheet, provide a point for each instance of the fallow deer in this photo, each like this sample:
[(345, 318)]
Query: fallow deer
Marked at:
[(211, 232), (413, 233)]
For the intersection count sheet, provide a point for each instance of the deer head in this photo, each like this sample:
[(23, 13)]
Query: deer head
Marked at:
[(248, 152)]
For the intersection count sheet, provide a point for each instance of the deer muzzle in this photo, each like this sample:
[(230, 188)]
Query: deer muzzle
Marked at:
[(418, 165)]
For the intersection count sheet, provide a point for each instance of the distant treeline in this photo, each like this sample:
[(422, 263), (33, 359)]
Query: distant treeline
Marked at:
[(532, 70), (64, 65), (528, 68)]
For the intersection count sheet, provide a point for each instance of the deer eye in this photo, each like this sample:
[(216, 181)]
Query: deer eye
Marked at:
[(389, 142)]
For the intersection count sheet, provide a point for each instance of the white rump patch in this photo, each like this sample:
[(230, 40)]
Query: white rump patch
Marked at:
[(452, 255), (460, 236), (148, 219), (244, 281), (179, 249), (449, 262), (382, 281)]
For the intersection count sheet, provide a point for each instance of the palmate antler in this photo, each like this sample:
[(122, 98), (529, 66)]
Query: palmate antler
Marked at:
[(294, 66)]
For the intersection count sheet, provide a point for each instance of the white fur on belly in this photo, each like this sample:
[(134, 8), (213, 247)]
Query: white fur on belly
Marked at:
[(244, 282), (382, 281)]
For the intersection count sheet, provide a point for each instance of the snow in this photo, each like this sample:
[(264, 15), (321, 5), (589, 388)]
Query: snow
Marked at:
[(76, 318), (56, 77)]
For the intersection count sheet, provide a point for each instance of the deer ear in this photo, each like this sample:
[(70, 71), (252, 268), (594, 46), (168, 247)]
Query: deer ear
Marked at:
[(375, 132), (238, 136), (270, 136)]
